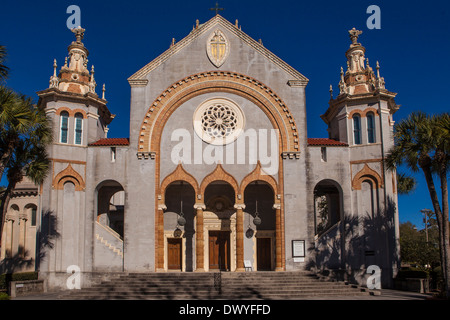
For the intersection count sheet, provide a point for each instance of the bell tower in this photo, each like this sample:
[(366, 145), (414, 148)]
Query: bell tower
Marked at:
[(79, 115), (363, 104)]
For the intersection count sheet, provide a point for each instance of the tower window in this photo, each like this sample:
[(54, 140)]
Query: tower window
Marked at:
[(33, 216), (370, 127), (64, 126), (78, 128), (357, 129)]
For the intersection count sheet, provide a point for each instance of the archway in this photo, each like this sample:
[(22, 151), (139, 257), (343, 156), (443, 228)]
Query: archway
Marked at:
[(327, 205), (260, 225), (179, 226), (220, 225), (111, 206)]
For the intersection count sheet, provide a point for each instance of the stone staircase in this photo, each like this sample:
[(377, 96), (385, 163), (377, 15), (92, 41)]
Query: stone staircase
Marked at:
[(219, 285)]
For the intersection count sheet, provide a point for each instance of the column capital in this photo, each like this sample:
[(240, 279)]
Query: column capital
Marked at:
[(199, 206), (239, 206)]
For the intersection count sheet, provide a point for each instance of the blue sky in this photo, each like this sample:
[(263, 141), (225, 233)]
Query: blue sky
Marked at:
[(412, 47)]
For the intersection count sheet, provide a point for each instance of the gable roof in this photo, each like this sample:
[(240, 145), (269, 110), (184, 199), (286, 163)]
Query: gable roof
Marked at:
[(139, 78)]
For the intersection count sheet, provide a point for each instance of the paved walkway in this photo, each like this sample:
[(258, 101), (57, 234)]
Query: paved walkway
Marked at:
[(386, 294)]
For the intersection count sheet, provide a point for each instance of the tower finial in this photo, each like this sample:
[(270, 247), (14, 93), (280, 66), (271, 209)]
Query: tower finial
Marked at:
[(54, 81), (79, 33), (103, 92), (354, 34)]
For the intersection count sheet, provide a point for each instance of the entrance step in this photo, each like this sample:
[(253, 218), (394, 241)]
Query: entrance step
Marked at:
[(215, 285)]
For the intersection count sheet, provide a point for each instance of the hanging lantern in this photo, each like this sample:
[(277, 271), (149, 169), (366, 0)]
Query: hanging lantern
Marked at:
[(177, 233), (257, 219), (181, 220)]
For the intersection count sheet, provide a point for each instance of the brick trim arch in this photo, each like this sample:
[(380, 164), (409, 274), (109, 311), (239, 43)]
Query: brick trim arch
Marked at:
[(68, 174), (219, 174), (364, 174), (259, 175), (217, 81), (179, 174), (71, 112)]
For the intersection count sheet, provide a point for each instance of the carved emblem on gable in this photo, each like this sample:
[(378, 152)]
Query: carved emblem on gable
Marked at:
[(217, 48)]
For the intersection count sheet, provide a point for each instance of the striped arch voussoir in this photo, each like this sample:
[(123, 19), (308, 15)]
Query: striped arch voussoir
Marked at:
[(216, 81)]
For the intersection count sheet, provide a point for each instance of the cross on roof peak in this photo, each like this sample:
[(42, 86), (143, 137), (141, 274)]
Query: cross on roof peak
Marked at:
[(216, 8)]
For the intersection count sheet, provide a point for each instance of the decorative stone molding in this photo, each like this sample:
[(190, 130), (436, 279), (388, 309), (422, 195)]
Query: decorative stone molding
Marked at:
[(206, 27), (297, 83), (276, 206), (217, 48), (247, 87), (138, 82), (146, 155), (290, 155), (364, 174), (162, 207), (69, 175), (200, 206), (179, 174), (220, 174), (259, 175)]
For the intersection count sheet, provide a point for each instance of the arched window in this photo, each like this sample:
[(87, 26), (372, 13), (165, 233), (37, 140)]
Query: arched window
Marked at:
[(370, 128), (78, 128), (357, 129), (33, 216), (64, 116)]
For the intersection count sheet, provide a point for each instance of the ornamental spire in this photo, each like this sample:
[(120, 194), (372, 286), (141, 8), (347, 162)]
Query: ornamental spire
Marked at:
[(74, 75), (54, 80), (359, 78)]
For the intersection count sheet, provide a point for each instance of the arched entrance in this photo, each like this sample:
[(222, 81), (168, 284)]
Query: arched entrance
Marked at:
[(327, 205), (219, 221), (260, 224), (179, 226), (110, 206)]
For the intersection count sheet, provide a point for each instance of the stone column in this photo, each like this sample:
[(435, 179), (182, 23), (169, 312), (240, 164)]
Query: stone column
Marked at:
[(240, 237), (22, 234), (278, 238), (9, 237), (160, 237), (200, 239)]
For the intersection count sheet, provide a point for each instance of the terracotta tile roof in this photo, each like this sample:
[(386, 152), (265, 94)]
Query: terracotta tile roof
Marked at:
[(325, 142), (111, 142)]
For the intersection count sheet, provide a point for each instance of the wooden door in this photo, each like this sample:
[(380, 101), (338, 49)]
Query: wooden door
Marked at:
[(264, 256), (219, 250), (174, 254)]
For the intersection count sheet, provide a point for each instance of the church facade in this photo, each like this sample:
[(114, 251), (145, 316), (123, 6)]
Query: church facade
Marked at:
[(218, 172)]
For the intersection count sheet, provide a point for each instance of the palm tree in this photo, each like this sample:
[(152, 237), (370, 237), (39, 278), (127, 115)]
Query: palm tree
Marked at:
[(422, 143), (3, 69), (16, 120), (26, 131), (405, 184)]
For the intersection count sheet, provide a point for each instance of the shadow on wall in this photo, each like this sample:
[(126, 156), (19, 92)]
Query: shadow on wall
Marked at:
[(21, 261), (45, 236), (346, 250)]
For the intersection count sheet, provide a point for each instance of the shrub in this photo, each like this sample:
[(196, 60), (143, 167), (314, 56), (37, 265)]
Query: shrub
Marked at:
[(4, 296), (6, 278)]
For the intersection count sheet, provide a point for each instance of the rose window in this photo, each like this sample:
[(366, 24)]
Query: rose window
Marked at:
[(218, 121)]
